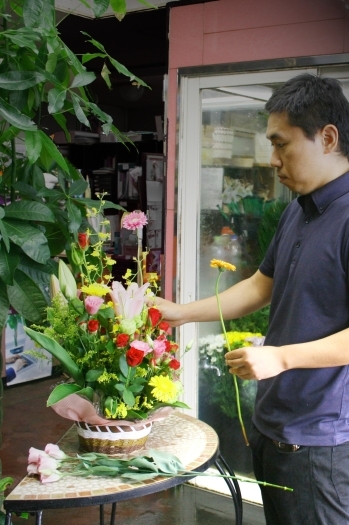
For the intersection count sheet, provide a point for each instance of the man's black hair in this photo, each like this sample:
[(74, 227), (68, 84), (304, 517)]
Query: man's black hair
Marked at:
[(311, 103)]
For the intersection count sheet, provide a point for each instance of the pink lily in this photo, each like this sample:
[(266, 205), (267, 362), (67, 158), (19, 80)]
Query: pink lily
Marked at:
[(128, 302)]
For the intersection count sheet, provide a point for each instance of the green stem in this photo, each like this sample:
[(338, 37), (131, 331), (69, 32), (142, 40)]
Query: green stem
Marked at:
[(236, 386)]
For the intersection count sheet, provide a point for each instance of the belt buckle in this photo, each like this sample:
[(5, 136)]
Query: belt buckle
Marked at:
[(286, 447)]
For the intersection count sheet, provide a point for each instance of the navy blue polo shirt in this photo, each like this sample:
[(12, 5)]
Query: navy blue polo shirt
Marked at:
[(308, 260)]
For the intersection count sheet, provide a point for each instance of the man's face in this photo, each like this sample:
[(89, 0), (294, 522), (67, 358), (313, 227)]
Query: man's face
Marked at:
[(297, 158)]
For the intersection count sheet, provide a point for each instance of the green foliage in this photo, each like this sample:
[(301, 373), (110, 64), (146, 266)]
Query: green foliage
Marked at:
[(256, 322), (268, 226), (38, 70)]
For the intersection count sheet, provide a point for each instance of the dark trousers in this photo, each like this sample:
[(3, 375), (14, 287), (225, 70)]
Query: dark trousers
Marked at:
[(318, 475)]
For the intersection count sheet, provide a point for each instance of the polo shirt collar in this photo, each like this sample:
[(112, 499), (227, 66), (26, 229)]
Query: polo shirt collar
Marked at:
[(323, 197)]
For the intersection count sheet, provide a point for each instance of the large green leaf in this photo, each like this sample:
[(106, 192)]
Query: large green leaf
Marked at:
[(29, 211), (33, 145), (62, 122), (119, 8), (15, 117), (56, 239), (59, 353), (65, 390), (53, 151), (75, 216), (32, 241), (8, 264), (83, 79), (32, 11), (39, 273), (56, 99), (18, 80), (26, 297)]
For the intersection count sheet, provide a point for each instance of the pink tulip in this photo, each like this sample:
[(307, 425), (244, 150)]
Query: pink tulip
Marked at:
[(34, 454), (50, 476), (54, 451), (159, 348), (141, 345), (93, 304)]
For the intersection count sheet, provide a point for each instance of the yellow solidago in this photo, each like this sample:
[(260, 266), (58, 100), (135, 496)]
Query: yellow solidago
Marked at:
[(222, 265), (164, 389)]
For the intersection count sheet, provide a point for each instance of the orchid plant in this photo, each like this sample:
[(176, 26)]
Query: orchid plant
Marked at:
[(115, 348)]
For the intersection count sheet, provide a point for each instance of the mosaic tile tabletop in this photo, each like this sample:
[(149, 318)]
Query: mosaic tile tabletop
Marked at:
[(191, 440)]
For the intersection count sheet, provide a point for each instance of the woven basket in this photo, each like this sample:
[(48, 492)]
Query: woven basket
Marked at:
[(112, 439)]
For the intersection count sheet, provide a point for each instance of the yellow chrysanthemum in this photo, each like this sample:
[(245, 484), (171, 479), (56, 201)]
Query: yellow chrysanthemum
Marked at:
[(222, 265), (239, 337), (164, 389), (98, 289)]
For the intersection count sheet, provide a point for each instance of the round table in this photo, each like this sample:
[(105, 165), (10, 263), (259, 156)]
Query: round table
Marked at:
[(194, 442)]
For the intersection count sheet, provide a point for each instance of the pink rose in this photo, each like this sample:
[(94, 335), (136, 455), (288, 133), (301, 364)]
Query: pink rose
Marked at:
[(141, 345), (159, 348), (34, 454), (54, 451), (93, 304)]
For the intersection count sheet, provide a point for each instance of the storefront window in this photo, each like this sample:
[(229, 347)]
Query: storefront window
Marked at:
[(241, 201)]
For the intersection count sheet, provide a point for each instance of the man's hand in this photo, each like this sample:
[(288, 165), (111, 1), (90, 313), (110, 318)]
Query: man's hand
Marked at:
[(171, 312), (255, 363)]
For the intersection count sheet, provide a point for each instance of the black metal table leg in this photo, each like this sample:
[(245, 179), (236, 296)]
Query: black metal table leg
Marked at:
[(233, 485), (8, 518), (112, 515)]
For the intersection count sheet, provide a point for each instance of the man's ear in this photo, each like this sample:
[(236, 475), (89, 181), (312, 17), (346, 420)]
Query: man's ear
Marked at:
[(330, 138)]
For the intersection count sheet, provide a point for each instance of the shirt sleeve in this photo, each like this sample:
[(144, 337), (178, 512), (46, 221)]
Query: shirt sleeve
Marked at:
[(267, 265)]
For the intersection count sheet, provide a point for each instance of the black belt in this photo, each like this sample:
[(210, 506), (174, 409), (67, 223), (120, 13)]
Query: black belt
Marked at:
[(286, 447)]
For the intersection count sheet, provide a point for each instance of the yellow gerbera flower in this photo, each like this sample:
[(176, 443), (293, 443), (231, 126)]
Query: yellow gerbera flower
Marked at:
[(164, 389), (222, 265), (98, 289)]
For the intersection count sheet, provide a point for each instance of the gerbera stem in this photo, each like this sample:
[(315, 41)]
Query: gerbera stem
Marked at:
[(236, 386)]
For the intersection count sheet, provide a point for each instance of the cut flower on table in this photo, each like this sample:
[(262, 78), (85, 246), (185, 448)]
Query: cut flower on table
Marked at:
[(116, 350)]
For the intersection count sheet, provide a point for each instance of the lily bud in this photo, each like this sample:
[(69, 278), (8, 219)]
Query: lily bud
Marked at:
[(56, 290), (66, 281)]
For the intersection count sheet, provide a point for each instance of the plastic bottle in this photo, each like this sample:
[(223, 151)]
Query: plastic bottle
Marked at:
[(234, 249)]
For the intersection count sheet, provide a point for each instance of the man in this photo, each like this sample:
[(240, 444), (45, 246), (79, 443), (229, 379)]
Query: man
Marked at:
[(300, 437)]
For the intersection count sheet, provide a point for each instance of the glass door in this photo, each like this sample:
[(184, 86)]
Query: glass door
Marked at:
[(229, 204)]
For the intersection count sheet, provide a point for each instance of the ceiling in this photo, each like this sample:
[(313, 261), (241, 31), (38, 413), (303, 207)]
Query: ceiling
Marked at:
[(76, 7)]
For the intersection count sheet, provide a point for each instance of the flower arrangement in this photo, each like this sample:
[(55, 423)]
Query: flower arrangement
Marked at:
[(115, 348)]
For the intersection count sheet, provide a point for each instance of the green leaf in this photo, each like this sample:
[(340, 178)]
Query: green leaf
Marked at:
[(166, 462), (8, 264), (53, 151), (32, 11), (78, 187), (19, 80), (124, 71), (144, 464), (33, 145), (56, 99), (128, 398), (60, 392), (75, 216), (4, 306), (32, 241), (147, 4), (83, 79), (119, 8), (136, 388), (29, 211), (62, 122), (15, 117), (59, 353), (100, 7), (86, 57), (93, 375), (80, 115), (26, 297), (5, 482), (123, 365), (120, 387), (9, 134)]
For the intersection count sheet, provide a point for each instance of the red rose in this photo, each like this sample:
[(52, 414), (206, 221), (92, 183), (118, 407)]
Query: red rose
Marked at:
[(164, 326), (92, 325), (154, 315), (134, 357), (122, 340), (174, 364), (174, 347), (83, 240)]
